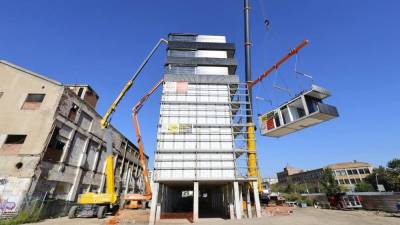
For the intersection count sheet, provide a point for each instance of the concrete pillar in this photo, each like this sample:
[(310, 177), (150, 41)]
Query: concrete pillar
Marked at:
[(231, 211), (229, 198), (66, 150), (78, 176), (237, 200), (241, 199), (195, 201), (103, 178), (153, 207), (256, 199), (158, 212), (249, 213), (127, 180)]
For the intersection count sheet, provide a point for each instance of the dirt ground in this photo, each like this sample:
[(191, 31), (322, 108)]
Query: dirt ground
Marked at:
[(307, 216)]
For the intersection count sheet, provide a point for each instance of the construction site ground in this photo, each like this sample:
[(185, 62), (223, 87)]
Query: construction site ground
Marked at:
[(300, 216)]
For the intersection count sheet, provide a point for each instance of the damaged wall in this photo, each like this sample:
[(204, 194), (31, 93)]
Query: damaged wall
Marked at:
[(20, 157), (54, 147)]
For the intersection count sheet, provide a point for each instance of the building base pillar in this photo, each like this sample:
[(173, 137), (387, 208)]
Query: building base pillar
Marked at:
[(154, 200), (195, 201), (237, 200), (256, 199)]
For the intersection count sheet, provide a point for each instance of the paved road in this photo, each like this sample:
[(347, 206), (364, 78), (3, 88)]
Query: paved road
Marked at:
[(308, 216)]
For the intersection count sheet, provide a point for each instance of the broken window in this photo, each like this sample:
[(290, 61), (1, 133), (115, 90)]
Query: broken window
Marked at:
[(55, 148), (80, 91), (33, 101), (91, 155), (123, 145), (13, 143), (85, 121), (72, 112), (76, 150)]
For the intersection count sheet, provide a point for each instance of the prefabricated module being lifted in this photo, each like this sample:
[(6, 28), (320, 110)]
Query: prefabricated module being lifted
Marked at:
[(304, 110)]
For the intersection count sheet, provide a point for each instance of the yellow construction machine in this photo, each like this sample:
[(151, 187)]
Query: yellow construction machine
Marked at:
[(99, 204)]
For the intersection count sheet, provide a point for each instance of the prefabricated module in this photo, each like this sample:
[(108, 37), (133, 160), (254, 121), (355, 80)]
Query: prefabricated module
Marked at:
[(200, 165)]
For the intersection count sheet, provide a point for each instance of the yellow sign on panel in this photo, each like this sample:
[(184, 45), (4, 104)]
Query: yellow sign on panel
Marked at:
[(173, 128)]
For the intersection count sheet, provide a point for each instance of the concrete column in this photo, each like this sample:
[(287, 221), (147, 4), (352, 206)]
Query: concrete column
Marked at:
[(256, 199), (195, 201), (241, 199), (103, 178), (237, 200), (249, 213), (127, 179), (158, 212), (229, 201), (78, 175), (153, 208), (66, 150)]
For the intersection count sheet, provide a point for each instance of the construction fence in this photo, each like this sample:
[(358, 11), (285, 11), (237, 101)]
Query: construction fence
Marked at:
[(36, 207)]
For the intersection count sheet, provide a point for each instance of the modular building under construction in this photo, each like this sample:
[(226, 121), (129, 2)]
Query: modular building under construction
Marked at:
[(200, 166)]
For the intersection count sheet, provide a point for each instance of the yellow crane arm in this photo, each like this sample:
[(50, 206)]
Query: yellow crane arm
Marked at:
[(106, 118)]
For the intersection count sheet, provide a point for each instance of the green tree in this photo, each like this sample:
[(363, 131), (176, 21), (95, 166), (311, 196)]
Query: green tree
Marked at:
[(389, 177), (289, 188), (328, 183), (278, 187), (364, 187), (394, 164)]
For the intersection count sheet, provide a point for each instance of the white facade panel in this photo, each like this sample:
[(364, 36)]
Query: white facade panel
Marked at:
[(211, 54), (210, 38), (212, 70)]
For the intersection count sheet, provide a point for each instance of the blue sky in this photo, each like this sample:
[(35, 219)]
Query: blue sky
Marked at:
[(353, 52)]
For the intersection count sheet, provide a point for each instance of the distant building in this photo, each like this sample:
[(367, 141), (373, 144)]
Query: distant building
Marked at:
[(51, 142), (287, 172), (346, 174), (266, 184)]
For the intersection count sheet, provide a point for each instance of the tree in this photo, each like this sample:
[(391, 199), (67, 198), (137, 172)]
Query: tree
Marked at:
[(389, 177), (364, 187), (289, 188), (328, 183), (278, 187), (394, 164)]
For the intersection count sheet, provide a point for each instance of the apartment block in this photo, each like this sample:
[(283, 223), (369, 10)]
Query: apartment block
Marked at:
[(51, 142)]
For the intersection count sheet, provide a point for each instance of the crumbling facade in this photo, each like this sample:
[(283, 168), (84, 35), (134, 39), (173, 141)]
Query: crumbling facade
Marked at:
[(200, 166), (51, 142)]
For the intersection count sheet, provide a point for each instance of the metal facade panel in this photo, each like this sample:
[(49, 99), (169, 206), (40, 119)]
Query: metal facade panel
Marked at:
[(197, 61), (185, 45)]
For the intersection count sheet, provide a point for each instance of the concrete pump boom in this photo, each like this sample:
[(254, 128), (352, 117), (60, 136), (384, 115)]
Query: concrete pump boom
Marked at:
[(135, 111), (106, 119)]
